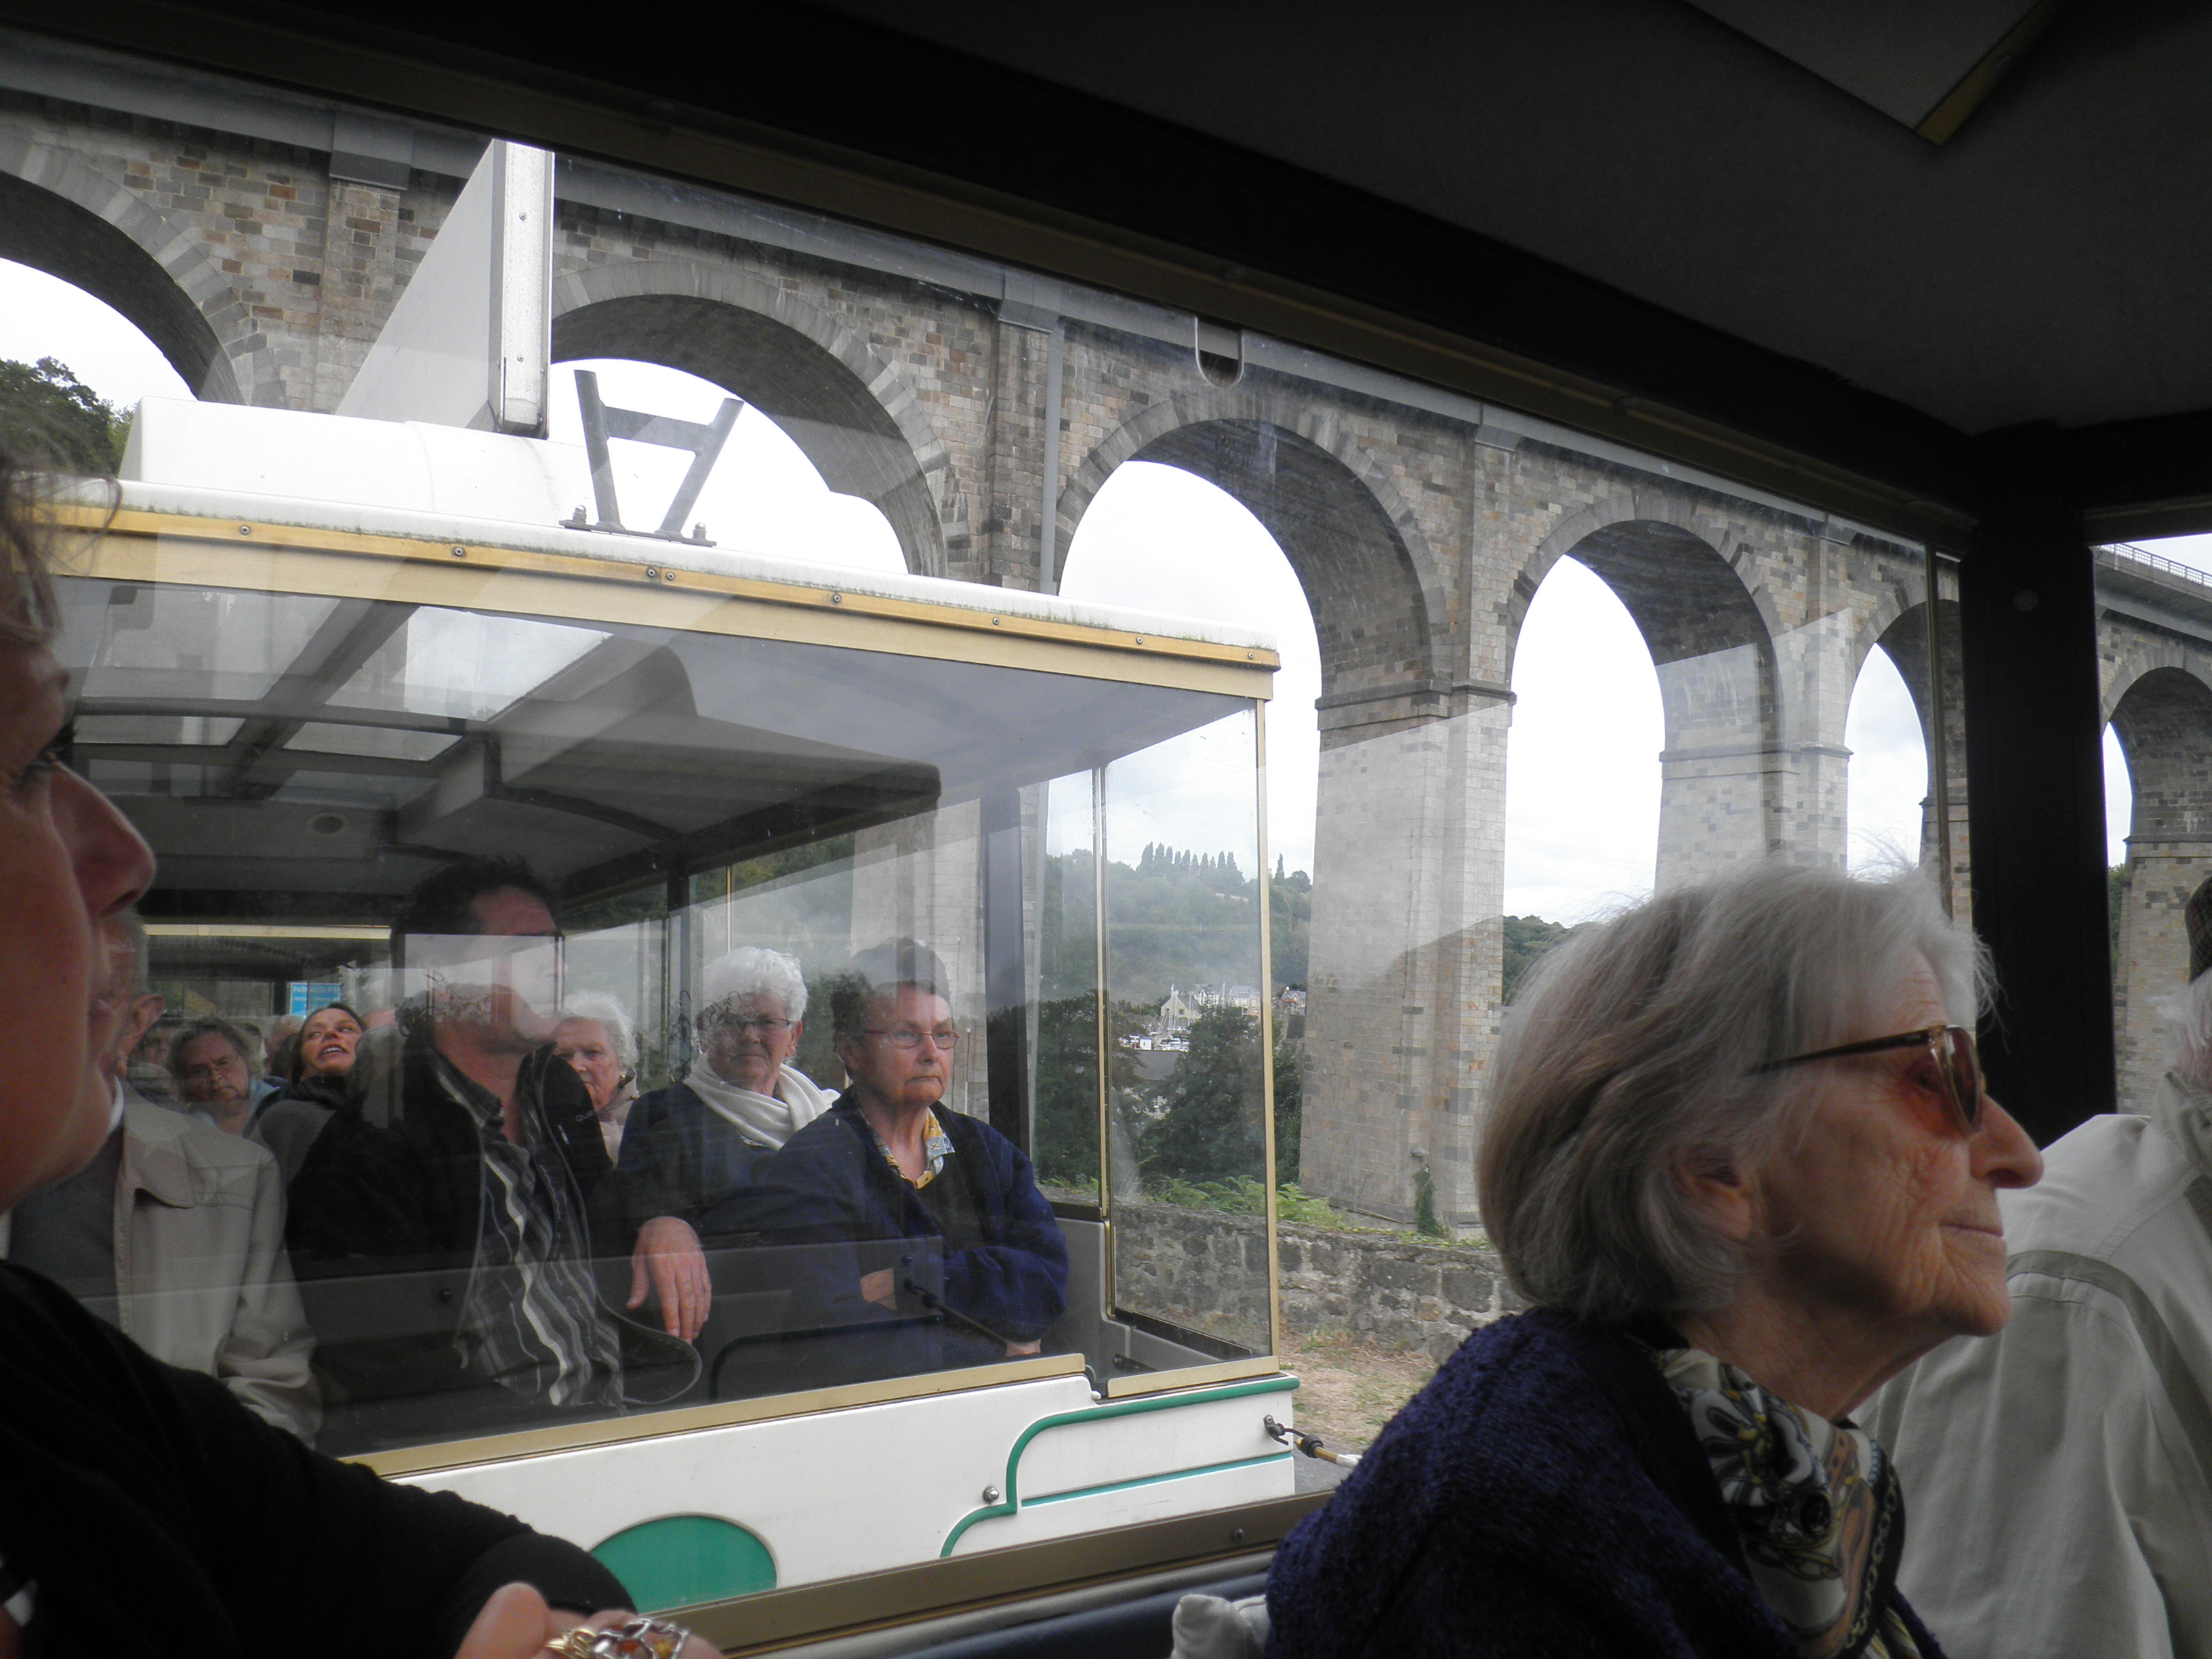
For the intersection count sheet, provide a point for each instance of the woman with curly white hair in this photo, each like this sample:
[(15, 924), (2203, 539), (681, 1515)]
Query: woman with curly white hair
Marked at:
[(690, 1146), (1739, 1158)]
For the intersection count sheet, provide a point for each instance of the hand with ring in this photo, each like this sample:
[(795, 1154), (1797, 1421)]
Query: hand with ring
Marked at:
[(516, 1624)]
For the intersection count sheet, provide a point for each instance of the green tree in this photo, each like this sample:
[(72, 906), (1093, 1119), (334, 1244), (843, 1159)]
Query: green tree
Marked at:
[(1527, 938), (47, 409), (1289, 1099), (1211, 1130), (1065, 1140)]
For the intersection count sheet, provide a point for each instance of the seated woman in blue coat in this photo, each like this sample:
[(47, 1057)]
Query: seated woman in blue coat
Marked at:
[(917, 1238)]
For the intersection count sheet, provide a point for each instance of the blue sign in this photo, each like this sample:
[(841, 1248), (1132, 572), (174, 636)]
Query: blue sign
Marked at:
[(309, 994)]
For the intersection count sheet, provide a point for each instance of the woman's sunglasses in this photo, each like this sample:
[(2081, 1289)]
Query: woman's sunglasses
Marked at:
[(1951, 1046)]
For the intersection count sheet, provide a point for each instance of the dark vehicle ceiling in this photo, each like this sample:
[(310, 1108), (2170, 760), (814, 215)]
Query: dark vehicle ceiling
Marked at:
[(1636, 191), (2048, 261)]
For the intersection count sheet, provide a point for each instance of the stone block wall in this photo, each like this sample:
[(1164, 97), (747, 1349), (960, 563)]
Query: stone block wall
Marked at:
[(1193, 1267)]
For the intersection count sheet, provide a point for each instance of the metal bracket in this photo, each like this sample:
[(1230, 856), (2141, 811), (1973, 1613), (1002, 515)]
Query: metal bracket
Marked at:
[(703, 443)]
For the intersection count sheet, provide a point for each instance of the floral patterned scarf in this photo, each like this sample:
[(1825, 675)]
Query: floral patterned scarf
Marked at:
[(1816, 1504)]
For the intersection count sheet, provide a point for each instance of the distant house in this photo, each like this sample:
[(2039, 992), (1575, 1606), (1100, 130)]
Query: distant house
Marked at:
[(1177, 1013)]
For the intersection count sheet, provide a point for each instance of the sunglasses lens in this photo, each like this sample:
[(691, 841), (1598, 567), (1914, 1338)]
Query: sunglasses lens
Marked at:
[(1962, 1071)]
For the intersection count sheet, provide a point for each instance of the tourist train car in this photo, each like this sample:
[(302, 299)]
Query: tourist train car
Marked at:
[(307, 705)]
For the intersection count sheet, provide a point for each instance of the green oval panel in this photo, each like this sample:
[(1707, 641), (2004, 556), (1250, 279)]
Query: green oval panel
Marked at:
[(683, 1559)]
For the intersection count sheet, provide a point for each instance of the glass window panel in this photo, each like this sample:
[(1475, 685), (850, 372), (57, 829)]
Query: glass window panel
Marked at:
[(170, 730), (1189, 1016), (463, 664), (1064, 1040), (717, 833), (159, 642), (384, 743)]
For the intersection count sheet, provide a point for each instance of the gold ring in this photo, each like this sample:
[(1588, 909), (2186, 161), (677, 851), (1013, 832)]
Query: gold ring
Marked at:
[(639, 1639)]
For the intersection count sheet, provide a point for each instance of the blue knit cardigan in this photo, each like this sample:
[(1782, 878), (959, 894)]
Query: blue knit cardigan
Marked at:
[(1544, 1494), (831, 1191)]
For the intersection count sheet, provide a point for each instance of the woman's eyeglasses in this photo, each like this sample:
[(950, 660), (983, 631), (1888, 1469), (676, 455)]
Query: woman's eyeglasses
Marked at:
[(910, 1036), (767, 1030), (1951, 1046)]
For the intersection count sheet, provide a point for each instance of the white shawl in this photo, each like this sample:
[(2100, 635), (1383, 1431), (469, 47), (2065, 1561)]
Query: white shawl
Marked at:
[(764, 1120)]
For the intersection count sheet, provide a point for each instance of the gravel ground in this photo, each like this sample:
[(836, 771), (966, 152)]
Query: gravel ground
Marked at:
[(1348, 1389)]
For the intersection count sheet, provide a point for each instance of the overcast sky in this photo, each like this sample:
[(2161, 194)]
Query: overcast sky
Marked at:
[(1583, 781)]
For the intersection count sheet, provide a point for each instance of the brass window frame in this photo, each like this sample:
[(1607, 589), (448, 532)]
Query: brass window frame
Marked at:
[(137, 544)]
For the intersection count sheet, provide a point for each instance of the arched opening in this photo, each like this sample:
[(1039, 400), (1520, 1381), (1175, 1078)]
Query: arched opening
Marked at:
[(1398, 929), (2160, 745), (44, 317), (764, 495), (101, 242), (1158, 537), (1887, 792), (839, 401), (2119, 800), (1582, 762), (1902, 651), (1371, 616), (1724, 796)]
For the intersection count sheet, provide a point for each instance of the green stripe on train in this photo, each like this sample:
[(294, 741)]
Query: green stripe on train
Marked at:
[(680, 1559)]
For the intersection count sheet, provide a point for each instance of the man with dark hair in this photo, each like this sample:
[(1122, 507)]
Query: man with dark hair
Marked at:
[(474, 1146), (949, 1254), (446, 901)]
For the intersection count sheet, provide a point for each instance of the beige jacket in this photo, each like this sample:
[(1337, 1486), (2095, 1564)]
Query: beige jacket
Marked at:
[(2058, 1477), (200, 1263)]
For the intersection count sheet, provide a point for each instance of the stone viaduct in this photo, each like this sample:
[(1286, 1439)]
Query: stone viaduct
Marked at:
[(260, 240)]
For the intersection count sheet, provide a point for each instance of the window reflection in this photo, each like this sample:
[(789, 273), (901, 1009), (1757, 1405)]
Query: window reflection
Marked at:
[(625, 926)]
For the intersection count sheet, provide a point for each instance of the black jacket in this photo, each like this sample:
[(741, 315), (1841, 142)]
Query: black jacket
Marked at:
[(157, 1515), (383, 1228)]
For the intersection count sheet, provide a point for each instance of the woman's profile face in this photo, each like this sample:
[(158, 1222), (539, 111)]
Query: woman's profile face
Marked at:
[(68, 862), (1884, 1213), (327, 1042)]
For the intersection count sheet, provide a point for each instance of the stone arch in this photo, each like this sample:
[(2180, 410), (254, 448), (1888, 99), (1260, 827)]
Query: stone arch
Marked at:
[(2163, 719), (851, 409), (1650, 547), (61, 215), (1373, 584), (1728, 791), (2137, 653), (2159, 701)]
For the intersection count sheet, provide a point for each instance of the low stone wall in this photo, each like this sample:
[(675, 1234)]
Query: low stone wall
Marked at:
[(1385, 1286), (1199, 1267)]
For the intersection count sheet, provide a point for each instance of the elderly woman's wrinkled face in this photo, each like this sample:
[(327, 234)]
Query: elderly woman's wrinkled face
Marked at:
[(1885, 1213), (327, 1043), (212, 1071), (750, 1039), (67, 861), (591, 1051), (903, 1060)]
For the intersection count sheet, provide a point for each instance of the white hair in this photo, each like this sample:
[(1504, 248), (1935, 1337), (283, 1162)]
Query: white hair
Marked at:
[(750, 970), (1629, 1055), (607, 1013), (2187, 1018)]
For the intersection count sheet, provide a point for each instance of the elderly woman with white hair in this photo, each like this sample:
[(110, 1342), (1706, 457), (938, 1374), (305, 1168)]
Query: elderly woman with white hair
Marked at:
[(601, 1045), (1739, 1156), (691, 1145)]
